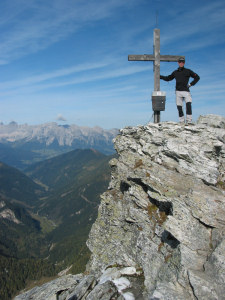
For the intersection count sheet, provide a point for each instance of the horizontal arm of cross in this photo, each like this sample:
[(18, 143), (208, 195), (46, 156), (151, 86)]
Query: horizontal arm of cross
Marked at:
[(151, 57), (141, 57), (170, 57)]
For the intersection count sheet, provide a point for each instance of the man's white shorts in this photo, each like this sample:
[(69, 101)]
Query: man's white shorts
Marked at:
[(182, 95)]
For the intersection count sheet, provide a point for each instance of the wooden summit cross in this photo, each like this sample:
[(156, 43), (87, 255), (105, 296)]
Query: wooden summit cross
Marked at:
[(156, 58)]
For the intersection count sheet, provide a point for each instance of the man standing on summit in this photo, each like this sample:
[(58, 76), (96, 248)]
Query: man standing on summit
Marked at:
[(182, 76)]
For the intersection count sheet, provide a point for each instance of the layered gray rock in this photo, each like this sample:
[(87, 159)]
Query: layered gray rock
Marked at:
[(56, 289), (160, 227)]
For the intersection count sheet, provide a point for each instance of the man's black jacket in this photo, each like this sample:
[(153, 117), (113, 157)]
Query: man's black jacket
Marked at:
[(182, 76)]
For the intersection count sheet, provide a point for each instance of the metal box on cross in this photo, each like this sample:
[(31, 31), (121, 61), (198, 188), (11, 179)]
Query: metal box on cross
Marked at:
[(158, 100)]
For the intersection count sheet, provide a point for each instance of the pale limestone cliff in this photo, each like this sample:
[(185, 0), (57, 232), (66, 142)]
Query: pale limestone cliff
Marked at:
[(161, 223)]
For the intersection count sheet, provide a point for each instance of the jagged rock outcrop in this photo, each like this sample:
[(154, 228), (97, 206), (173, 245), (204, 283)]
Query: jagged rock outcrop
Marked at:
[(160, 227)]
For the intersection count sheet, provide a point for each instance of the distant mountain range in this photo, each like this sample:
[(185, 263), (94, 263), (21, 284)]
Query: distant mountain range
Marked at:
[(46, 213), (21, 145)]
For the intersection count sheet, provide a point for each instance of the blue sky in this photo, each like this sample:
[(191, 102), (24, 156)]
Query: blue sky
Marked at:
[(66, 61)]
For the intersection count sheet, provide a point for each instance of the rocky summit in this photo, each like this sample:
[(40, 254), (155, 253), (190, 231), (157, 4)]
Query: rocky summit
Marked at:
[(160, 227)]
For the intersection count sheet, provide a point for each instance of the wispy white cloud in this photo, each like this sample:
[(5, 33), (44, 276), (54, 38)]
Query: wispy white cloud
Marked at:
[(60, 118), (200, 26), (53, 75), (29, 26), (77, 75)]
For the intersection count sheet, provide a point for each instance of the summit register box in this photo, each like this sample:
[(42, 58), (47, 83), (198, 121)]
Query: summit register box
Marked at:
[(158, 101)]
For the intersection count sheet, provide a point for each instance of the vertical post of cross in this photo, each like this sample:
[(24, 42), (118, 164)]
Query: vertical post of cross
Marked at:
[(156, 49), (156, 53)]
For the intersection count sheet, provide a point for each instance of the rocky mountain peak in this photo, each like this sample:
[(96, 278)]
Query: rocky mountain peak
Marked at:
[(49, 133), (160, 227)]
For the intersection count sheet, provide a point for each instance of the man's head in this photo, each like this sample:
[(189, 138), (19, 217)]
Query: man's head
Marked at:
[(181, 61)]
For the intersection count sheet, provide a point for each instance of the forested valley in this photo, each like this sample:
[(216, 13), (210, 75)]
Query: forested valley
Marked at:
[(46, 213)]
